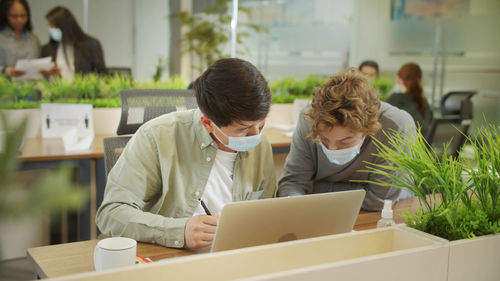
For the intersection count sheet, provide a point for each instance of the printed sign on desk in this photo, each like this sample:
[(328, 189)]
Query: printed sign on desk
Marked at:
[(58, 119)]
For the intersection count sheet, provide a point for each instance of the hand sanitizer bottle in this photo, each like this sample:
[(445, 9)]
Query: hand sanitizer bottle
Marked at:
[(386, 219)]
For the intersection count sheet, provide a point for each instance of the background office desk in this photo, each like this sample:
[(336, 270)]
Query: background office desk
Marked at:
[(77, 257), (38, 153)]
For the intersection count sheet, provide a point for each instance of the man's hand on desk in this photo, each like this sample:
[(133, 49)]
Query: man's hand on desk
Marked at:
[(200, 231)]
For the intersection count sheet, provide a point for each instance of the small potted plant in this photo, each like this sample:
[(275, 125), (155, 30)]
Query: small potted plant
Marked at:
[(460, 199)]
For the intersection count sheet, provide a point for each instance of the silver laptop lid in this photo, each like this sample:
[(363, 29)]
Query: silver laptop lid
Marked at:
[(258, 222)]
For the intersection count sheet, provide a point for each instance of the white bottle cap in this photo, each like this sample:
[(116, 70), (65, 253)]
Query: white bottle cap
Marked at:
[(387, 211)]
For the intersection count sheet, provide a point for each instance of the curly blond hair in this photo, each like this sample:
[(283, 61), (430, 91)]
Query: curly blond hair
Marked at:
[(347, 99)]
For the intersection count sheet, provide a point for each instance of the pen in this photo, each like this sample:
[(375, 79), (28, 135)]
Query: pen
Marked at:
[(204, 207)]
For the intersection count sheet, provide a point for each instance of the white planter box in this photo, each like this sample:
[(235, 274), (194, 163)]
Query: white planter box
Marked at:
[(397, 253), (105, 120), (475, 259), (34, 126)]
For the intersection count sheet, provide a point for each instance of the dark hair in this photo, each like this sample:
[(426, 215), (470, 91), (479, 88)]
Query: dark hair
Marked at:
[(5, 6), (411, 74), (63, 19), (369, 63), (232, 90)]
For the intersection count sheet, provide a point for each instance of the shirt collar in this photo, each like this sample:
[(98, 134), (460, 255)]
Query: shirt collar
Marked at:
[(8, 32), (203, 137)]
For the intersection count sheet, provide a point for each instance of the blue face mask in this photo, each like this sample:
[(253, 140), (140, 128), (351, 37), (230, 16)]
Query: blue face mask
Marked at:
[(241, 143), (55, 34), (340, 156)]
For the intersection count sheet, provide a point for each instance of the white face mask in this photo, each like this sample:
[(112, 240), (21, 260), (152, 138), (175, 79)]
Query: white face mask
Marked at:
[(55, 34), (340, 156), (241, 143)]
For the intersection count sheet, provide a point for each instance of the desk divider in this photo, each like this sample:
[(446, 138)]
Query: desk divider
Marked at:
[(396, 253)]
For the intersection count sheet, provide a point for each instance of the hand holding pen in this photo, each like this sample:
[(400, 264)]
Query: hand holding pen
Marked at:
[(199, 231), (207, 211)]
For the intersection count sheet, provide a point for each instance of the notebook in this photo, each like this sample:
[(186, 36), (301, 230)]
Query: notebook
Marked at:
[(258, 222)]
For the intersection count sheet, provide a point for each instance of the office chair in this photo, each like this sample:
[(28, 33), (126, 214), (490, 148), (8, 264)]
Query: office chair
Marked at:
[(123, 71), (456, 109), (142, 105), (457, 103), (442, 130), (113, 148)]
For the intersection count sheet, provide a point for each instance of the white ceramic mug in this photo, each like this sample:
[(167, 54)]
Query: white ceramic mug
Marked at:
[(114, 252)]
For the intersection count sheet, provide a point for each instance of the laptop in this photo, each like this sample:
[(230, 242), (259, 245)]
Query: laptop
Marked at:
[(258, 222)]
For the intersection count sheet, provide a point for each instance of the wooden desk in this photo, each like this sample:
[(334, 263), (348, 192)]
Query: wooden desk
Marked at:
[(65, 259), (279, 141), (38, 149), (77, 257)]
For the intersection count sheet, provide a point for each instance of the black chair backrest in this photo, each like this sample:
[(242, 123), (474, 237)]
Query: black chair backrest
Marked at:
[(457, 103), (443, 130), (113, 148), (123, 71), (142, 105)]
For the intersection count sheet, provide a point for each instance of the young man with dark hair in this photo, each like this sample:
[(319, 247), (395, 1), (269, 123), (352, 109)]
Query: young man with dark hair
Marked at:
[(215, 153), (334, 138), (369, 68)]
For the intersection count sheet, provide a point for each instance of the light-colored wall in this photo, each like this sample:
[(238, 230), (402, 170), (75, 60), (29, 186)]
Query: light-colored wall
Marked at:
[(112, 22), (472, 71)]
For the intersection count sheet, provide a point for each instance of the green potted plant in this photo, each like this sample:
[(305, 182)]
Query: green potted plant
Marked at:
[(209, 31), (100, 91), (460, 201), (383, 85), (288, 89)]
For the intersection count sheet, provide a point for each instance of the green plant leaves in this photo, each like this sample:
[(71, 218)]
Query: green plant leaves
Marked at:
[(100, 91), (287, 89), (460, 200), (207, 32), (37, 195), (384, 86)]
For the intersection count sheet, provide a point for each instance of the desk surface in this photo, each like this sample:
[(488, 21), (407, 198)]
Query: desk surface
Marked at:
[(38, 149), (71, 258)]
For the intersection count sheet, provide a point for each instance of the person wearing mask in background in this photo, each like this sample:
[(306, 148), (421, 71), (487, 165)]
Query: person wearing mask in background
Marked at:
[(334, 138), (409, 96), (16, 39), (216, 153), (370, 69), (71, 50)]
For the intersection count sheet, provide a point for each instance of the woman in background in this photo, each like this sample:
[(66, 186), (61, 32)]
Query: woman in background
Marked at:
[(71, 50), (409, 96), (16, 39)]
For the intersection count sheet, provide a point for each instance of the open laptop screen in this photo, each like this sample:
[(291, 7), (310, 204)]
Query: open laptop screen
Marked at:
[(258, 222)]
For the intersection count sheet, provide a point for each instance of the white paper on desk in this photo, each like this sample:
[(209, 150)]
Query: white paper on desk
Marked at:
[(33, 68), (73, 143)]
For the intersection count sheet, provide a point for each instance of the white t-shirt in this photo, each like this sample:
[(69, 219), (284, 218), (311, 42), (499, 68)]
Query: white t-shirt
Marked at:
[(67, 67), (218, 191)]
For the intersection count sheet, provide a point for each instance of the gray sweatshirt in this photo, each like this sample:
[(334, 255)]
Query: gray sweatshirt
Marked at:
[(307, 169)]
